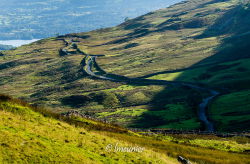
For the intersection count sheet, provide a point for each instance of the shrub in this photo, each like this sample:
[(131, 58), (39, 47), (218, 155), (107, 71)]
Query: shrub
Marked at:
[(110, 100), (136, 99)]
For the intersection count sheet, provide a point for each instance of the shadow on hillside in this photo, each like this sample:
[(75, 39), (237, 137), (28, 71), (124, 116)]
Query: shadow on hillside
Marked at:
[(140, 29), (231, 49), (237, 43)]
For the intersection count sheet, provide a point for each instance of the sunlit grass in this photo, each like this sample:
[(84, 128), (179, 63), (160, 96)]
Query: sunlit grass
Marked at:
[(27, 136), (127, 112), (30, 137), (225, 144), (168, 77)]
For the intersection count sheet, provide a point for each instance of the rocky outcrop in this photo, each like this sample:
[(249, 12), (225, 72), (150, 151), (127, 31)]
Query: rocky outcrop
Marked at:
[(183, 160)]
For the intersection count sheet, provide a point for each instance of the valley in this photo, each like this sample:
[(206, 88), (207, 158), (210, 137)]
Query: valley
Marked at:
[(163, 45), (173, 83), (202, 107)]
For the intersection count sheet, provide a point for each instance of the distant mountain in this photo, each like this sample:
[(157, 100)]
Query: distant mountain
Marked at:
[(28, 19), (5, 47)]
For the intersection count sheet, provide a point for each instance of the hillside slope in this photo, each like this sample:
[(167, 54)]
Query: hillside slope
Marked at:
[(29, 136), (203, 42)]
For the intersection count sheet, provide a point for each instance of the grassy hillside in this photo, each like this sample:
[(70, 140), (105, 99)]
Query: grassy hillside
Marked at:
[(205, 42), (28, 136), (226, 116), (33, 135)]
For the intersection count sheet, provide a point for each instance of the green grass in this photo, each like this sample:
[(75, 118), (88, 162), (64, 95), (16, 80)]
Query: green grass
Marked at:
[(173, 116), (212, 142), (167, 39), (28, 136), (126, 87), (231, 146), (177, 116), (168, 77), (212, 75), (231, 111), (186, 124), (122, 116), (126, 112), (230, 76)]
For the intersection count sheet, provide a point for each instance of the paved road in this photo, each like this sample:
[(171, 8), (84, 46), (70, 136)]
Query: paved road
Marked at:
[(90, 64), (202, 106)]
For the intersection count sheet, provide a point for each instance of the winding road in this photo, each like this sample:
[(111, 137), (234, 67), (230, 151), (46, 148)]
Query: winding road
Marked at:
[(91, 59)]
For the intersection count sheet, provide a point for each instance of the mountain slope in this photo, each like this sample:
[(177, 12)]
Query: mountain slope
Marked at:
[(185, 42), (28, 136)]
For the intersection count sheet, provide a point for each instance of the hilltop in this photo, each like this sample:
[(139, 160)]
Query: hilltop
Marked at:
[(196, 41)]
